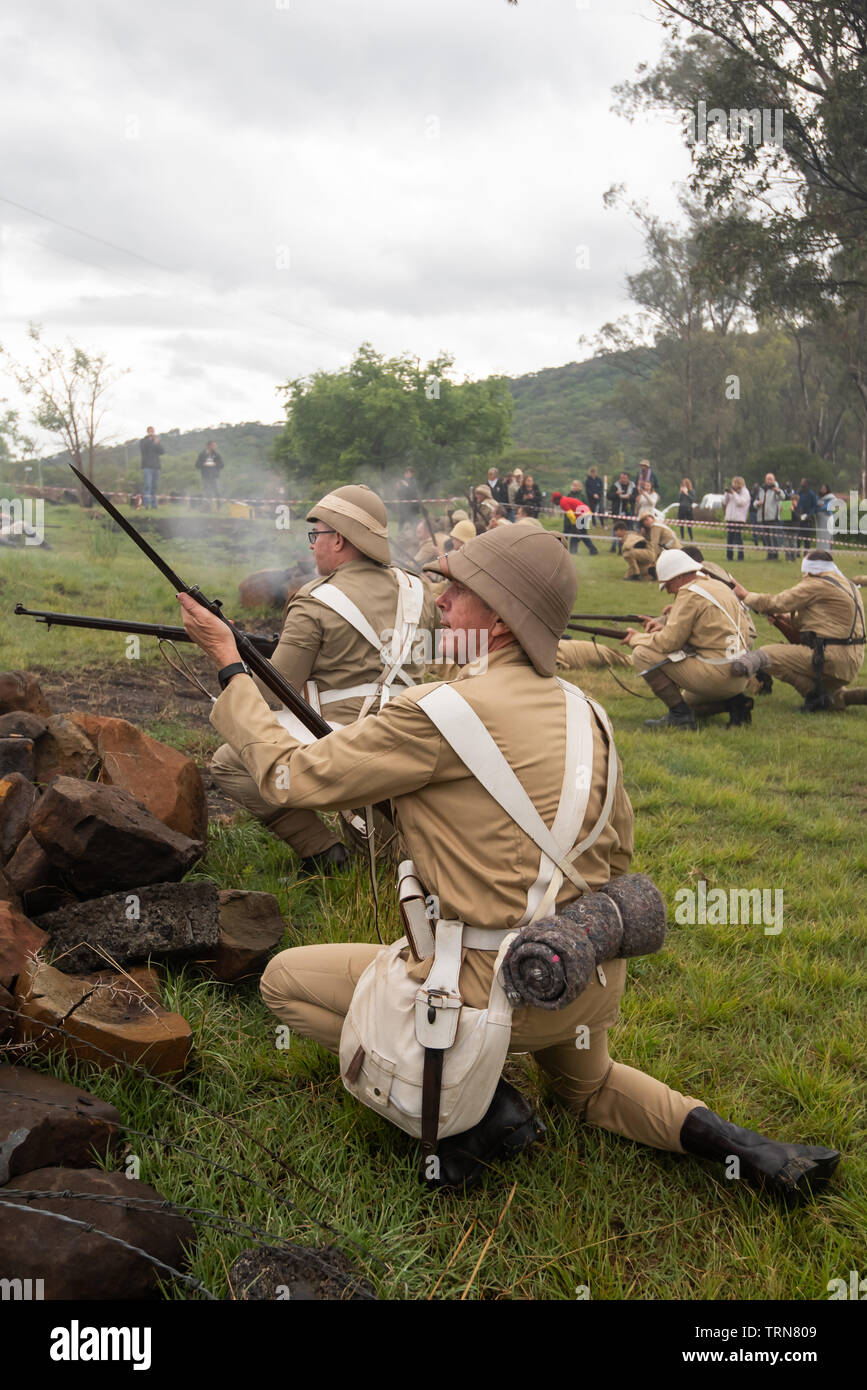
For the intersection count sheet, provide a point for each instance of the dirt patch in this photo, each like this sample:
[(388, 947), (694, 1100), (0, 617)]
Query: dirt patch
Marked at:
[(155, 696)]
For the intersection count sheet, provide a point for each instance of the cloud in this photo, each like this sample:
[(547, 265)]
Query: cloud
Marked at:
[(279, 182)]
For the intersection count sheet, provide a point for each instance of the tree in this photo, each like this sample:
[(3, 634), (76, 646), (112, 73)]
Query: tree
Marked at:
[(378, 416), (13, 444), (792, 77), (69, 386)]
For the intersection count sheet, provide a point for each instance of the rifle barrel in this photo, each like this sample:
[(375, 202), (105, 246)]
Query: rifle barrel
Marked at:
[(614, 617), (162, 631), (597, 631), (259, 664)]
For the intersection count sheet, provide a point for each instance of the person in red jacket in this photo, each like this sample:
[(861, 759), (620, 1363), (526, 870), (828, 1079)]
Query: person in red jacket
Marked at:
[(576, 519)]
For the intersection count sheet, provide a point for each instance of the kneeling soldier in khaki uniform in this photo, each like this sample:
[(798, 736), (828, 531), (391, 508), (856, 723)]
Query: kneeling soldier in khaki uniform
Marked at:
[(828, 613), (642, 548), (334, 640), (685, 661), (515, 588)]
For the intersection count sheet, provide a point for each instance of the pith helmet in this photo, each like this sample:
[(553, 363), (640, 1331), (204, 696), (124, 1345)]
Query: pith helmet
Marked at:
[(526, 577), (463, 531), (358, 514), (671, 563)]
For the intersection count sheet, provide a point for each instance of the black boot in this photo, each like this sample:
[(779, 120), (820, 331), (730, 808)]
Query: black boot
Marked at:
[(328, 861), (508, 1127), (766, 682), (680, 716), (740, 710), (787, 1168)]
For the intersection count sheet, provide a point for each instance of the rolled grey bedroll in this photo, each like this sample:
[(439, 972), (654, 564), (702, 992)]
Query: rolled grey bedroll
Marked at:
[(551, 962)]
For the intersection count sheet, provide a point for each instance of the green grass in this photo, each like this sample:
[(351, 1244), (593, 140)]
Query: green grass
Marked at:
[(767, 1030)]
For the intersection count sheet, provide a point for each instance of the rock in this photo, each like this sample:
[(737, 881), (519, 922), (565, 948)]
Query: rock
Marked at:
[(176, 921), (250, 929), (45, 1123), (265, 588), (20, 939), (64, 751), (6, 892), (17, 755), (20, 722), (165, 781), (104, 840), (302, 1273), (105, 1012), (34, 880), (18, 796), (20, 690), (81, 1264), (7, 1022)]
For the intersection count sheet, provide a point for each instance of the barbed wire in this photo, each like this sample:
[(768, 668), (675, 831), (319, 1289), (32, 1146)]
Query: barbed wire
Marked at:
[(165, 1142), (241, 1129), (204, 1216), (116, 1240)]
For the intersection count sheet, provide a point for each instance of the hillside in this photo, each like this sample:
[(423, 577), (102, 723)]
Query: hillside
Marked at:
[(565, 419)]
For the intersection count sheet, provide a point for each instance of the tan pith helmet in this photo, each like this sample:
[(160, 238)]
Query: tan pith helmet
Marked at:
[(671, 563), (358, 514), (526, 577), (463, 531)]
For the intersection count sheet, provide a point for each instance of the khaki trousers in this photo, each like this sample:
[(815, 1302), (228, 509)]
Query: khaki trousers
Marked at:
[(697, 680), (639, 561), (303, 829), (310, 987), (795, 666)]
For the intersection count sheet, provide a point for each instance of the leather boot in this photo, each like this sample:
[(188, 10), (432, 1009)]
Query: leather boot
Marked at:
[(680, 716), (508, 1127), (329, 861), (765, 680), (790, 1169), (740, 710)]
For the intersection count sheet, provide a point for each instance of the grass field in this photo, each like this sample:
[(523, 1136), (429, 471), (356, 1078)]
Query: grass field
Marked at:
[(767, 1029)]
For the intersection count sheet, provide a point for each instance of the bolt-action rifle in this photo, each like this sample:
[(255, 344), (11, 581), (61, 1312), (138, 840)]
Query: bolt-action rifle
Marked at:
[(249, 652), (162, 631)]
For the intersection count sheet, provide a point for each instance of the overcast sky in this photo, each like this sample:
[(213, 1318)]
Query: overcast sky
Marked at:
[(273, 181)]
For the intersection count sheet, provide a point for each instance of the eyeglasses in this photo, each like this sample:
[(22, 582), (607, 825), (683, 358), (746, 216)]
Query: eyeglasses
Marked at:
[(311, 535)]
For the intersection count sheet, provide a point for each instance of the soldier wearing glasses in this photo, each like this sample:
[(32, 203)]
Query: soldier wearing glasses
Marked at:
[(325, 656)]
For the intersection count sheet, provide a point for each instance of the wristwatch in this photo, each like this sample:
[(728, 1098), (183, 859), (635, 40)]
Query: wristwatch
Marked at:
[(237, 668)]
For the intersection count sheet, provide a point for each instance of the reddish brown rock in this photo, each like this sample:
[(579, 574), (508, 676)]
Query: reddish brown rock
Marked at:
[(104, 840), (20, 940), (165, 781), (109, 1012), (265, 588), (7, 895), (18, 796), (64, 751), (250, 930), (17, 754), (74, 1263), (45, 1123), (20, 690), (33, 880)]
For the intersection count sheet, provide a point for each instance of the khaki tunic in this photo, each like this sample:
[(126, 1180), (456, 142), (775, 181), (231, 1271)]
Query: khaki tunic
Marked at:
[(697, 623), (317, 644), (468, 852), (824, 604), (428, 551), (639, 559)]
